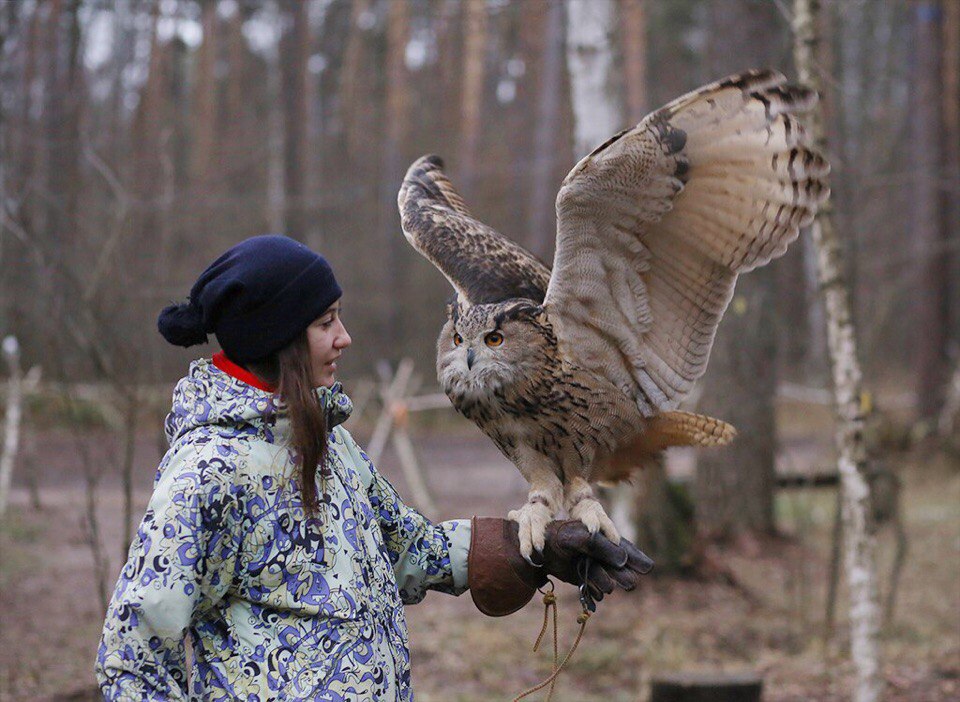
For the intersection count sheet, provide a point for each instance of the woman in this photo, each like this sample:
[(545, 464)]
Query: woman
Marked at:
[(271, 540)]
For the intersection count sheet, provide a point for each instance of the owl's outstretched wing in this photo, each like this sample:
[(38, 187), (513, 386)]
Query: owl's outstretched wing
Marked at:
[(482, 265), (655, 225)]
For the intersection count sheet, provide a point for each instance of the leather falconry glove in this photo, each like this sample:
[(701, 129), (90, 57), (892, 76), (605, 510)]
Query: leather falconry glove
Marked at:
[(501, 581)]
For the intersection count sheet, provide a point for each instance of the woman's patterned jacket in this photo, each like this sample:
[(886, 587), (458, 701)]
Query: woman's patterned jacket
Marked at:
[(277, 607)]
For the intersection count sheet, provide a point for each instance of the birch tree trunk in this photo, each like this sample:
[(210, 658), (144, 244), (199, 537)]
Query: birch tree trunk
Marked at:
[(11, 433), (597, 105), (276, 186), (859, 540)]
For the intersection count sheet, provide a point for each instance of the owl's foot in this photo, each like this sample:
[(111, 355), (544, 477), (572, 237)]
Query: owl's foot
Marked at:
[(533, 518), (594, 517)]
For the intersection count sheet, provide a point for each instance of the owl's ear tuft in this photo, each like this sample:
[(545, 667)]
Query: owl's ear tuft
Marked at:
[(515, 309)]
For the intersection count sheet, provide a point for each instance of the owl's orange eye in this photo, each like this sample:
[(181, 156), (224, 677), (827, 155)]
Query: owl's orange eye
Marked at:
[(494, 339), (457, 339)]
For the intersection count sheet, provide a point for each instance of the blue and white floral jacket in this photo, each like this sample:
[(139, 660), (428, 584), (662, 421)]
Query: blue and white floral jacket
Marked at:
[(277, 607)]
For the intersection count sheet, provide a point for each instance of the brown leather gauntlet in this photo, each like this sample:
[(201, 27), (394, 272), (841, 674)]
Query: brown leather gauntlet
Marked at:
[(500, 581)]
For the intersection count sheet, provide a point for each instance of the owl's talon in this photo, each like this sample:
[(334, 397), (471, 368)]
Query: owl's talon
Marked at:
[(533, 518), (593, 516)]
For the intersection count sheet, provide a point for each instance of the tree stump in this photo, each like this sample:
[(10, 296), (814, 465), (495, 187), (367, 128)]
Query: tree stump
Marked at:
[(706, 687)]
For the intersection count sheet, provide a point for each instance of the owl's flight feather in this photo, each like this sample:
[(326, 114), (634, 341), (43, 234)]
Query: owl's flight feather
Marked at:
[(655, 225), (482, 265)]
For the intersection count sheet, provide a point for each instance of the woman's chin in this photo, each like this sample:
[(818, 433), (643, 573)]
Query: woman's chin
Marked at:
[(326, 380)]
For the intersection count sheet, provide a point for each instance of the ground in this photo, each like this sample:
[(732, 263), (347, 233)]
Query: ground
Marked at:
[(770, 623)]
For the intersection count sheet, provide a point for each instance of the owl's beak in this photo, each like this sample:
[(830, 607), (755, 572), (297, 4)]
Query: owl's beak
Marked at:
[(470, 356)]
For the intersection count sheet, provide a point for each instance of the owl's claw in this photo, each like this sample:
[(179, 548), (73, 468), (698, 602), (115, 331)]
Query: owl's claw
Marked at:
[(533, 518), (593, 516)]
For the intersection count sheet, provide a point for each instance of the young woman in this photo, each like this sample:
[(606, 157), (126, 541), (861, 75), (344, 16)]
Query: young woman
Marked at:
[(271, 541)]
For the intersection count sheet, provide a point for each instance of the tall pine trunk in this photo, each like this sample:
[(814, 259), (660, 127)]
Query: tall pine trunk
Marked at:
[(541, 219), (295, 50), (471, 99), (734, 486), (928, 228)]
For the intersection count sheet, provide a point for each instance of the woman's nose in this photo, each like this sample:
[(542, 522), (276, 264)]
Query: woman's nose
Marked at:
[(343, 338)]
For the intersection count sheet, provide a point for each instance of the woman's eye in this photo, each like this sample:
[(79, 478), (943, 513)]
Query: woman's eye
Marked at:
[(494, 339), (457, 339)]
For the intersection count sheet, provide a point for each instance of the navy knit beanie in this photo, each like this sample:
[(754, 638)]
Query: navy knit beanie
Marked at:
[(256, 298)]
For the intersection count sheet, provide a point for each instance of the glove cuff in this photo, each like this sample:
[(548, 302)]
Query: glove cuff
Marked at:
[(500, 580)]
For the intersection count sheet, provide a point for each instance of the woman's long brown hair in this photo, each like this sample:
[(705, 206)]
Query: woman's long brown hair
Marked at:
[(289, 370)]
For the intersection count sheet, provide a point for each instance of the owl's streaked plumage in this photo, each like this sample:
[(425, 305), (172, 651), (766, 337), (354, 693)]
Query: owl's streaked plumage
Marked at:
[(576, 373)]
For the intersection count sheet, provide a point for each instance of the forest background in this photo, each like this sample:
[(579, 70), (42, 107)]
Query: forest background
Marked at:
[(139, 139)]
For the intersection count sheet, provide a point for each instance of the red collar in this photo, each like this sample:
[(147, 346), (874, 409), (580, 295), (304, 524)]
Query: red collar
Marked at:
[(221, 361)]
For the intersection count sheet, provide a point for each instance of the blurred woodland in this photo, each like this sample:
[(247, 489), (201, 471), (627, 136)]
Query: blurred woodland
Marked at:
[(141, 138)]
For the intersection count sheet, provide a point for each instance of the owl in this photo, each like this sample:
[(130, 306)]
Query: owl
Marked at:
[(576, 373)]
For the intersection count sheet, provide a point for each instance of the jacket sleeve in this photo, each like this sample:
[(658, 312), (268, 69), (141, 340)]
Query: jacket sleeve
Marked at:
[(425, 556), (180, 561)]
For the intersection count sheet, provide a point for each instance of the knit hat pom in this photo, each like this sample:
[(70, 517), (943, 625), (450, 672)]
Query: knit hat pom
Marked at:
[(182, 325)]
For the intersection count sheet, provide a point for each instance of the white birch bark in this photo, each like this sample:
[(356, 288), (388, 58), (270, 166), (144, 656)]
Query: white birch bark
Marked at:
[(11, 433), (597, 105), (276, 185), (950, 414), (858, 539)]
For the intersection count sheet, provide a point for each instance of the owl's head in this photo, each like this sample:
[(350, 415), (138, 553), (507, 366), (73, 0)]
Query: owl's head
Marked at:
[(487, 347)]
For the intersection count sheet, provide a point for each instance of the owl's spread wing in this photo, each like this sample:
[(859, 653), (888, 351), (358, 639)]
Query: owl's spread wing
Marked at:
[(482, 265), (655, 225)]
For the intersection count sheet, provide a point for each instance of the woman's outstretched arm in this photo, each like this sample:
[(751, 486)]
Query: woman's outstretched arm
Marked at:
[(425, 556)]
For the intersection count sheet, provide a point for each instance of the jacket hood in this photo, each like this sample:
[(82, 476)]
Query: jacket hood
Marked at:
[(207, 396)]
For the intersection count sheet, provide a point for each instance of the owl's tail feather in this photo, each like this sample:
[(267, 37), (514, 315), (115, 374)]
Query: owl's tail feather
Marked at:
[(687, 429), (662, 431)]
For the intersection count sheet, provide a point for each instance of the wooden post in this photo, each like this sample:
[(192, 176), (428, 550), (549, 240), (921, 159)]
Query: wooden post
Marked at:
[(389, 394), (706, 687), (392, 424)]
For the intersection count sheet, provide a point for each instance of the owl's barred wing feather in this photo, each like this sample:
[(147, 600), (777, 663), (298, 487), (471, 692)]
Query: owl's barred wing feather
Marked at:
[(482, 265), (655, 225)]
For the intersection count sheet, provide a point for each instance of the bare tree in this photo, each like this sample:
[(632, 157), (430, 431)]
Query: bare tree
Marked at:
[(398, 114), (356, 77), (294, 52), (929, 230), (205, 97), (633, 33), (540, 215), (471, 100), (859, 540)]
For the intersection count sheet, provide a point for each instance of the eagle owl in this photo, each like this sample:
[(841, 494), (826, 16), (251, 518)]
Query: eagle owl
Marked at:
[(576, 373)]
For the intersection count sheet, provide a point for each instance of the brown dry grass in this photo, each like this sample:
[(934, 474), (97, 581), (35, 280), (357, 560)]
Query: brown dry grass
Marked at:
[(50, 620)]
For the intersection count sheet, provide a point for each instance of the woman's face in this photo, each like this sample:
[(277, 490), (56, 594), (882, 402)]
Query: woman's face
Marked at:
[(327, 338)]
